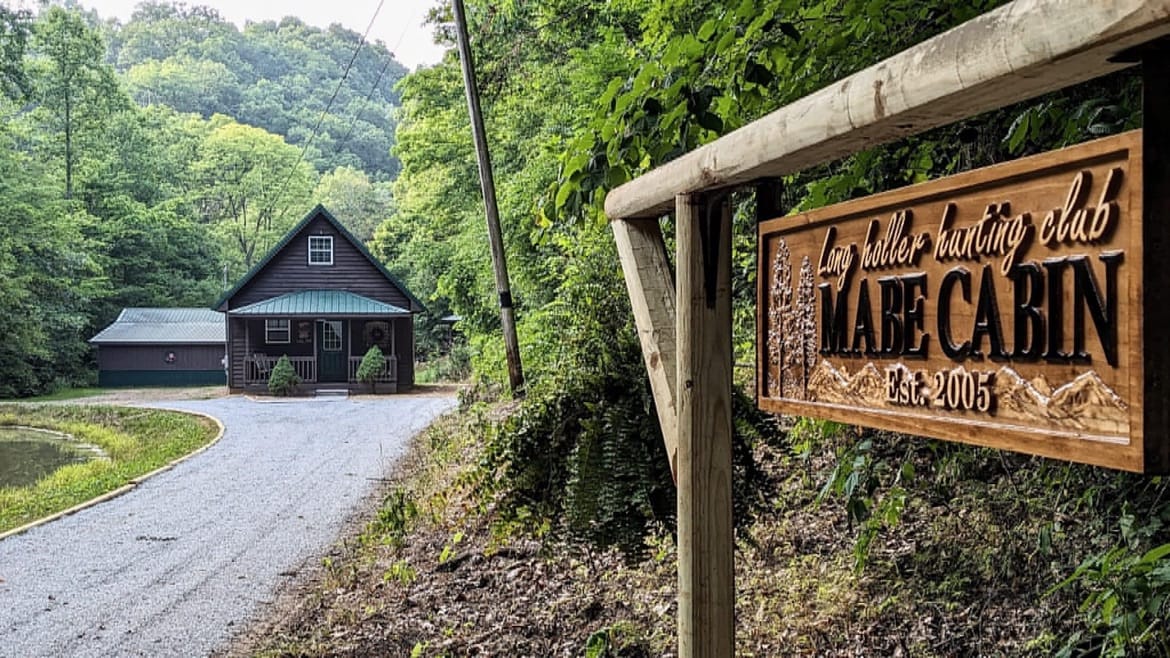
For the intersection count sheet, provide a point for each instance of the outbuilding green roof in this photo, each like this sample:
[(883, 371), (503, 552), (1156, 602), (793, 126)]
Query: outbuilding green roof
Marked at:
[(163, 326), (320, 303)]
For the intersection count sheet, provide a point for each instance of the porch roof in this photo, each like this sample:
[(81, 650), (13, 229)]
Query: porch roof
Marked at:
[(320, 303)]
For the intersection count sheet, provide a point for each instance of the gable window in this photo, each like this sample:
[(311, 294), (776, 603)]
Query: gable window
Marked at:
[(320, 250), (276, 331)]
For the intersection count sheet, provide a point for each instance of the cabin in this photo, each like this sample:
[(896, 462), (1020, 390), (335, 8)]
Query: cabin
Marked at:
[(323, 300), (162, 347)]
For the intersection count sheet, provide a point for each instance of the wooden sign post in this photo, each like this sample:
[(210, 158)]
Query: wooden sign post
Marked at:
[(1000, 307), (706, 576)]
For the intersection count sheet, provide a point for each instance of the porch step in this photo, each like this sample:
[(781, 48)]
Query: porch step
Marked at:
[(332, 392)]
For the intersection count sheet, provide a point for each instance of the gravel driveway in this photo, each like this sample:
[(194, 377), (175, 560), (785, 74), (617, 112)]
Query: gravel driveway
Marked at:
[(176, 565)]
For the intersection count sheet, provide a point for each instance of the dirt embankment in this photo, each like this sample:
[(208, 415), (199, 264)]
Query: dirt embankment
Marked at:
[(953, 569), (429, 574)]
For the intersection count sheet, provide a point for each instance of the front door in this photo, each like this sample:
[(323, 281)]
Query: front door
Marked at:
[(332, 363)]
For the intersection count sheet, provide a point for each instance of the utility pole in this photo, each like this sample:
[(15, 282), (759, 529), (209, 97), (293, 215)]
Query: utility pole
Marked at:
[(487, 182)]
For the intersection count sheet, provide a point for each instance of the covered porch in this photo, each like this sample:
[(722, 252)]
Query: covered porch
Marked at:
[(324, 333)]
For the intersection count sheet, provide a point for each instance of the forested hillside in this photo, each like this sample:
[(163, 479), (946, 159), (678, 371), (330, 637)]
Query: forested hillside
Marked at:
[(275, 76), (151, 163)]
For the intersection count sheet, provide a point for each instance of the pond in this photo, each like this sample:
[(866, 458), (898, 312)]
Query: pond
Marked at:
[(27, 455)]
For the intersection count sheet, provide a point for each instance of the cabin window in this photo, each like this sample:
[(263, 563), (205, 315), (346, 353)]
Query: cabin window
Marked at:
[(276, 331), (331, 338), (320, 250)]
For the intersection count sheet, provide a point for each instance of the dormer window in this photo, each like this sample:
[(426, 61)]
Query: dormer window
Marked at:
[(320, 250)]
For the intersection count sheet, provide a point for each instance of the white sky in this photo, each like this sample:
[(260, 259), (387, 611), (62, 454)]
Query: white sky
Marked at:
[(399, 23)]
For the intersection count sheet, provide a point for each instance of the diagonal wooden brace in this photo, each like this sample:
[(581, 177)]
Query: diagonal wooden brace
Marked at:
[(650, 282)]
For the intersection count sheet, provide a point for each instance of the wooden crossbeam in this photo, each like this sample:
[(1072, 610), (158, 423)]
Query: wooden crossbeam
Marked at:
[(1019, 51)]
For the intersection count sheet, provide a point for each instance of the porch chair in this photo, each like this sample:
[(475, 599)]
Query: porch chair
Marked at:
[(261, 365)]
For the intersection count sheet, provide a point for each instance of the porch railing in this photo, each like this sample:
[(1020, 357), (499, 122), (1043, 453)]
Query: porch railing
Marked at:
[(258, 367), (388, 374)]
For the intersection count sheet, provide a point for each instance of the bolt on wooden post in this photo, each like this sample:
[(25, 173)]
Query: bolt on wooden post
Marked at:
[(706, 574)]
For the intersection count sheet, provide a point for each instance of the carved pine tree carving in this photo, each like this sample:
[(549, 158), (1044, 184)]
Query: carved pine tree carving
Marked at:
[(779, 314), (806, 312)]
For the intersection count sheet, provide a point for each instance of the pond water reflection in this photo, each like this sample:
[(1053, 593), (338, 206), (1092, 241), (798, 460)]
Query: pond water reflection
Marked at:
[(27, 455)]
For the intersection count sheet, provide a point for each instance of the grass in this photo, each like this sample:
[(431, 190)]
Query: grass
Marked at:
[(67, 394), (137, 441)]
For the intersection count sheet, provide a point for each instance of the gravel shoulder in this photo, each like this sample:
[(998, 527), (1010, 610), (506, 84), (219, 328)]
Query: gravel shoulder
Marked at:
[(176, 566)]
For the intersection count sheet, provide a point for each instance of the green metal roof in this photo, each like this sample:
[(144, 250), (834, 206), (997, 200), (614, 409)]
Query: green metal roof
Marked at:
[(320, 302), (159, 326), (288, 237)]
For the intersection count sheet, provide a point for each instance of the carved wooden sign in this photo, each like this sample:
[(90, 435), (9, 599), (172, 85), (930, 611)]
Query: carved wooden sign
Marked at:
[(999, 307)]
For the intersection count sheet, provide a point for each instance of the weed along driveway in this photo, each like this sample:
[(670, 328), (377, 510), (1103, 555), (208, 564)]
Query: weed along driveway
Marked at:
[(173, 567)]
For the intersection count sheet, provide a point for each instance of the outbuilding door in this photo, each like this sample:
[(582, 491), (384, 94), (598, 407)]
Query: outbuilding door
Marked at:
[(332, 361)]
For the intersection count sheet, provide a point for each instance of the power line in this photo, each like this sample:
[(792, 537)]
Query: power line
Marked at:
[(328, 106), (357, 117)]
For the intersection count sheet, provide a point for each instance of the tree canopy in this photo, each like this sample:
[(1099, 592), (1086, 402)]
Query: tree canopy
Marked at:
[(275, 75)]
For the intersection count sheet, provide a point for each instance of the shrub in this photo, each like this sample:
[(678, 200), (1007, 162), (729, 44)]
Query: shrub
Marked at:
[(371, 366), (582, 455), (284, 379)]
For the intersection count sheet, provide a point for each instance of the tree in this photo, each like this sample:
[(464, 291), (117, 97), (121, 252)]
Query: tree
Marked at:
[(186, 84), (151, 256), (372, 365), (14, 33), (48, 280), (361, 205), (273, 75), (75, 87), (253, 186)]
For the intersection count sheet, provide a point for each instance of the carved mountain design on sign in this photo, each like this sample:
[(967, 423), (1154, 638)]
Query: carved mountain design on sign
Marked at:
[(1089, 403), (828, 384), (868, 386), (1086, 404), (1018, 398), (1086, 391)]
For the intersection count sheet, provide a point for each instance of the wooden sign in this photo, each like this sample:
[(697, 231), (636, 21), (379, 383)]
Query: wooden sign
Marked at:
[(1000, 307)]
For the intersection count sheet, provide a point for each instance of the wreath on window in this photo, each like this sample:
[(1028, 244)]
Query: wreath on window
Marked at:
[(304, 332), (376, 333)]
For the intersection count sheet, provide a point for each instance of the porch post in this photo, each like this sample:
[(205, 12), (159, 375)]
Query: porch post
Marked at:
[(247, 353), (227, 349)]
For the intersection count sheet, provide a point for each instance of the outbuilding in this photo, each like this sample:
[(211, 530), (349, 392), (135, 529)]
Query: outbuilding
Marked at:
[(162, 347)]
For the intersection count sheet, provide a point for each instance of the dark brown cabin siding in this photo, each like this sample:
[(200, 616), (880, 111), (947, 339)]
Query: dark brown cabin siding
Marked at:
[(289, 271), (404, 345), (239, 351), (296, 345), (154, 357)]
